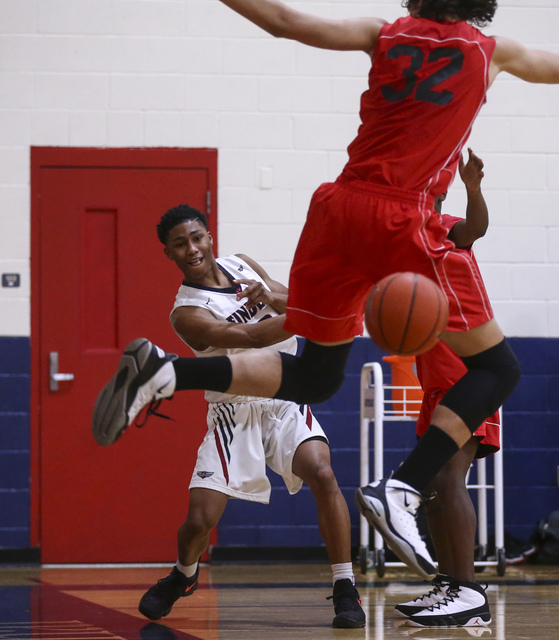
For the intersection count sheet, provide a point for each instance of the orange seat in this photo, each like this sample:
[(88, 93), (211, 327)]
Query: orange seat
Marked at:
[(405, 401)]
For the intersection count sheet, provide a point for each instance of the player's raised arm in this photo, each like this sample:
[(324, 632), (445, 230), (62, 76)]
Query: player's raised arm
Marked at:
[(282, 21), (531, 65), (474, 226)]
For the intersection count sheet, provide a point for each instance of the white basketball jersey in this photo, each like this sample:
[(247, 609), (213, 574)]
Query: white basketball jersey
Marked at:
[(223, 305)]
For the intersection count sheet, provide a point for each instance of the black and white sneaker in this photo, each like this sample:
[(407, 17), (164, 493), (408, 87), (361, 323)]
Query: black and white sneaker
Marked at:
[(158, 601), (347, 606), (145, 373), (437, 593), (465, 605), (390, 506)]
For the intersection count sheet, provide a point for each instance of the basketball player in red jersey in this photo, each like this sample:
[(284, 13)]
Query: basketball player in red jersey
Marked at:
[(450, 513), (429, 76)]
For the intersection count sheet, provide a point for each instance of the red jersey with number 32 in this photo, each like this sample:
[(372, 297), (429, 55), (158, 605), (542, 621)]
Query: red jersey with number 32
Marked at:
[(426, 86)]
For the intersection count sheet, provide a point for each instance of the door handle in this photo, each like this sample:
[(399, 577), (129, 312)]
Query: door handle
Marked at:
[(54, 376)]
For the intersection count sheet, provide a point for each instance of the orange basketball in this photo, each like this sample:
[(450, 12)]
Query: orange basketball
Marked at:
[(406, 313)]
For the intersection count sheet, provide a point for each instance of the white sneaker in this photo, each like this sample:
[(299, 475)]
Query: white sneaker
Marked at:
[(390, 506), (144, 374), (464, 605), (438, 592)]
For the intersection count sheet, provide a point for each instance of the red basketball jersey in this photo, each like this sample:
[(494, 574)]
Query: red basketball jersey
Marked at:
[(426, 86)]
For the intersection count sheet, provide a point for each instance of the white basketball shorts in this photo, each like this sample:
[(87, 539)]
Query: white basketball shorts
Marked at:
[(243, 438)]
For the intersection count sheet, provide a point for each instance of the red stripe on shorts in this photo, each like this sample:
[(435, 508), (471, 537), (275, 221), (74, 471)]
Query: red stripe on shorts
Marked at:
[(309, 418), (221, 457)]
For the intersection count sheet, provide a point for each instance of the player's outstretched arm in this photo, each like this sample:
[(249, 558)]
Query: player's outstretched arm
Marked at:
[(530, 65), (282, 21), (200, 330), (474, 226)]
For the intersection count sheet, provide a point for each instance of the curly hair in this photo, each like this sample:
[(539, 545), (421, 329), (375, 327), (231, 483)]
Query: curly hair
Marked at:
[(170, 219), (478, 12)]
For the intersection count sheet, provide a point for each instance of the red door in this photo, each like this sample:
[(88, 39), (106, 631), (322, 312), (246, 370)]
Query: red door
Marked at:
[(100, 279)]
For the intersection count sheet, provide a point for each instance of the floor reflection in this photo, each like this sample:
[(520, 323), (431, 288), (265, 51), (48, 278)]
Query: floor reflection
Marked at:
[(242, 602)]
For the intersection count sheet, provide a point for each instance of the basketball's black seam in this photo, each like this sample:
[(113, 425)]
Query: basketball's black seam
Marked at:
[(410, 311), (434, 326)]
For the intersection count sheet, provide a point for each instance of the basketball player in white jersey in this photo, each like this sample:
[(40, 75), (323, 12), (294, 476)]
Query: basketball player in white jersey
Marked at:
[(224, 306)]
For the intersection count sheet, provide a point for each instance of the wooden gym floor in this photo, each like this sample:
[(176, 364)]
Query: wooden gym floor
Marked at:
[(254, 601)]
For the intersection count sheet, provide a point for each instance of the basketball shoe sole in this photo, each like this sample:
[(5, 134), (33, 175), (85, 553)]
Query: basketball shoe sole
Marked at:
[(144, 373), (390, 506)]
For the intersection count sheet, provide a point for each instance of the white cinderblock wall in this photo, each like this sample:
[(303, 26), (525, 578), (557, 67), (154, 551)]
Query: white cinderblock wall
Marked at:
[(191, 73)]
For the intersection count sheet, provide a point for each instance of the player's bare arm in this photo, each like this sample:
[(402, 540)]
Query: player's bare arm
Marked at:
[(275, 295), (282, 21), (474, 226), (531, 65), (200, 330)]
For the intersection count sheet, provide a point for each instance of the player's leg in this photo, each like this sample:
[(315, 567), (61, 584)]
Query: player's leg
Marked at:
[(311, 463), (326, 310), (204, 512), (451, 516), (147, 374), (493, 372), (453, 528)]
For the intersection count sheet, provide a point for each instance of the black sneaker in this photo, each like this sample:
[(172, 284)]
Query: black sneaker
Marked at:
[(438, 592), (158, 601), (144, 374), (347, 605), (464, 605)]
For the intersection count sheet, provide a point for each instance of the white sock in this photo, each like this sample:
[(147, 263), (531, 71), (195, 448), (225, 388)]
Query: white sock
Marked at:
[(189, 570), (342, 570)]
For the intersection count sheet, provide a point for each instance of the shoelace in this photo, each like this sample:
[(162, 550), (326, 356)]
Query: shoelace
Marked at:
[(451, 594), (151, 410), (437, 588)]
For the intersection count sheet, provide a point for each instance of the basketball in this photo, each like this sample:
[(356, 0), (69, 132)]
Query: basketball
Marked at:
[(406, 313)]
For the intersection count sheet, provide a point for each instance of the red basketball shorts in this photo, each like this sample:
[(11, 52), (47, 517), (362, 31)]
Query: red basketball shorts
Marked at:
[(488, 431), (438, 370), (357, 233)]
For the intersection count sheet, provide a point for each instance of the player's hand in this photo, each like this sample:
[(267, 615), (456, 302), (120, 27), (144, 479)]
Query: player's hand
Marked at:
[(254, 292), (471, 172)]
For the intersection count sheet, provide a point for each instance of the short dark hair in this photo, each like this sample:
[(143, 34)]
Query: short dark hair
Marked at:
[(182, 213), (478, 12)]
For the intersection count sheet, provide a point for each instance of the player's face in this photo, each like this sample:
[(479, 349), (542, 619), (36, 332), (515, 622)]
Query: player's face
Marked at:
[(189, 245)]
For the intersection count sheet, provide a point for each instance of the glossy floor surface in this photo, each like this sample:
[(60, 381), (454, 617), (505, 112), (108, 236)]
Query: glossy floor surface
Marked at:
[(261, 601)]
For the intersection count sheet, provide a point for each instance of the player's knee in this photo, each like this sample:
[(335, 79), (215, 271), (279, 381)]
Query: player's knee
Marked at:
[(502, 364), (492, 376), (322, 476)]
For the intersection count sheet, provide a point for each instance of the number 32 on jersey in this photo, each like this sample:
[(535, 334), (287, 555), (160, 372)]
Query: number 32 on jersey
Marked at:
[(425, 90)]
